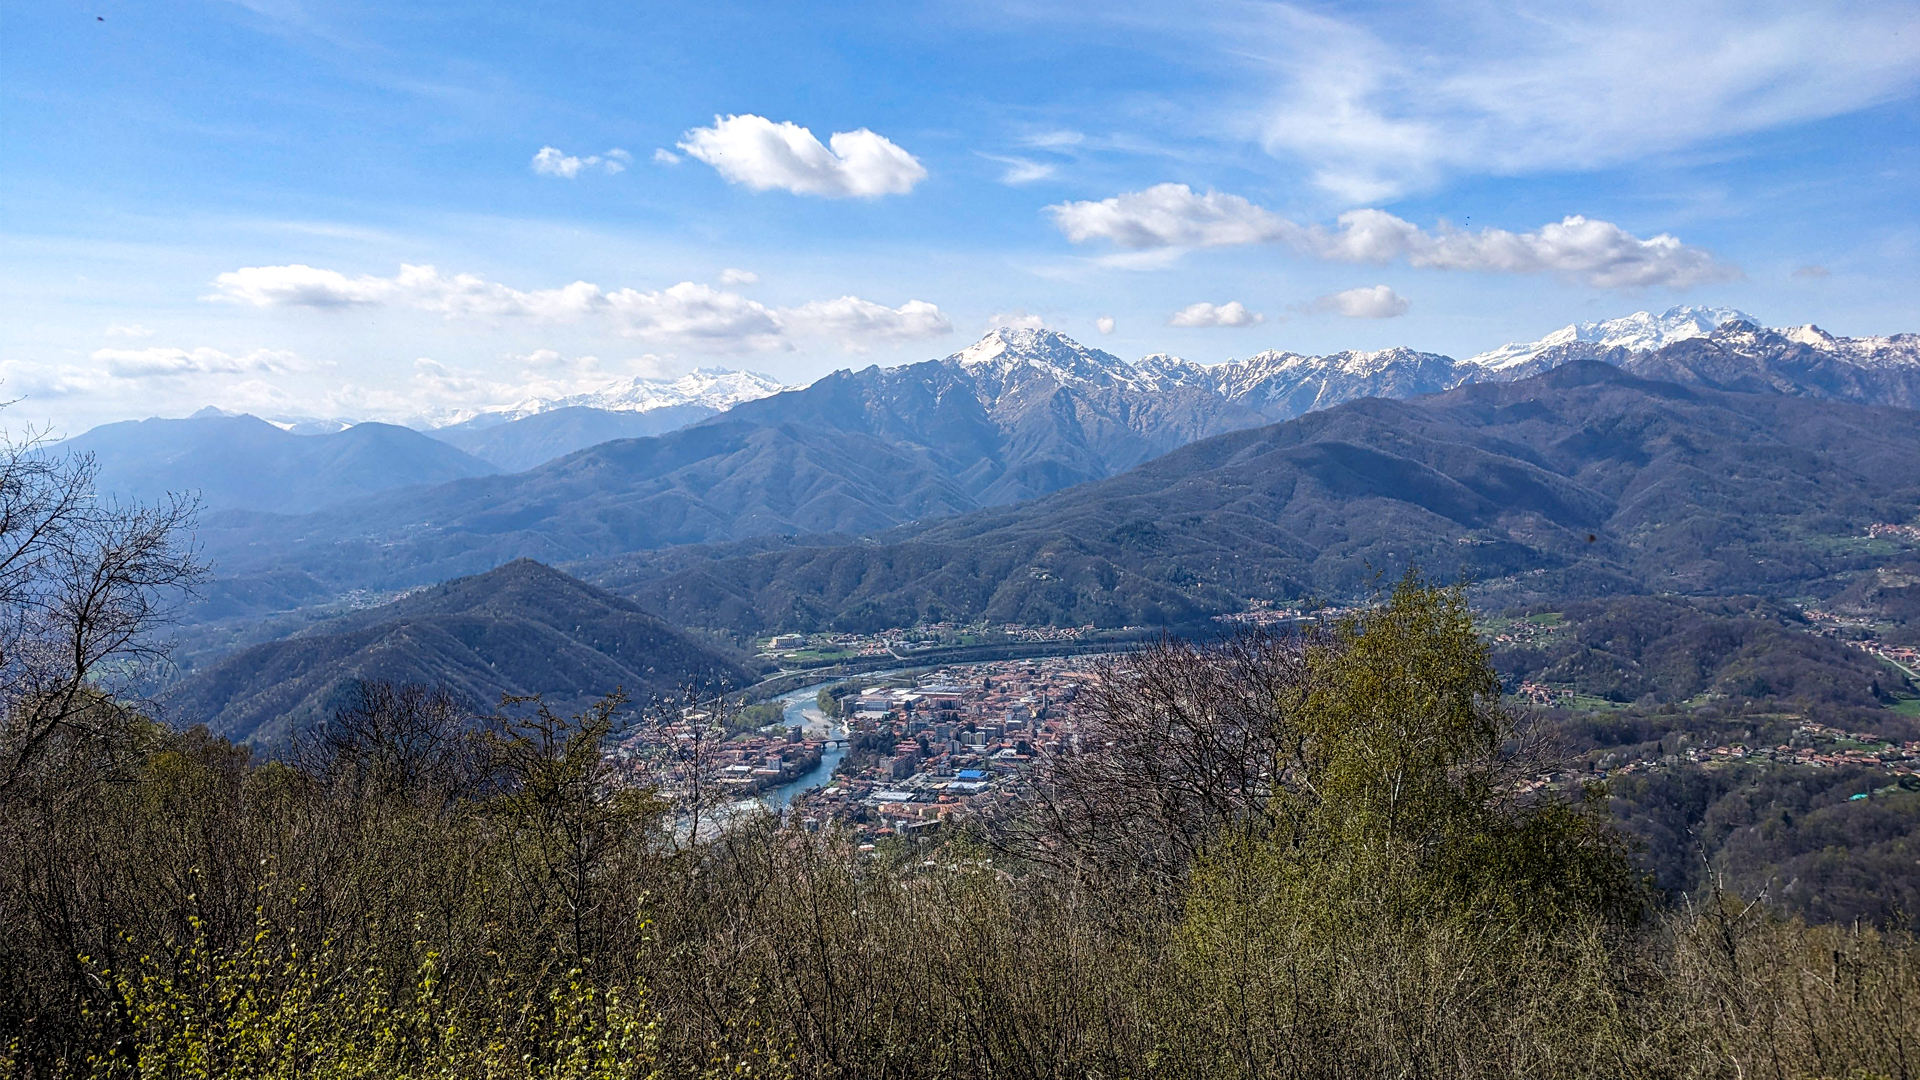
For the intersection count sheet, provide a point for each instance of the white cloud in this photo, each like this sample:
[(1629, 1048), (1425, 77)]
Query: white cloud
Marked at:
[(1813, 270), (1021, 170), (1232, 313), (1166, 218), (1378, 105), (160, 361), (689, 312), (697, 313), (663, 156), (424, 287), (858, 323), (129, 330), (1104, 324), (1375, 302), (549, 364), (1017, 319), (551, 162), (1170, 215), (755, 151), (132, 380), (548, 358), (1059, 139), (730, 276)]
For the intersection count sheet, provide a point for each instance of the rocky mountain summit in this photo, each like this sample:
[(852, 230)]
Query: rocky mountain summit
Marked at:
[(1804, 361), (1715, 346), (1639, 332)]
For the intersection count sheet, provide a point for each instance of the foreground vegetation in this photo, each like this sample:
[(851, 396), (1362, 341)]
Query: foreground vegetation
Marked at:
[(1273, 858)]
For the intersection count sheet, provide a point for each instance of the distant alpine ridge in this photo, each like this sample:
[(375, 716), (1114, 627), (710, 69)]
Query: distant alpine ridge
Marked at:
[(1280, 385), (712, 389), (1716, 346), (720, 455), (700, 393), (1638, 332)]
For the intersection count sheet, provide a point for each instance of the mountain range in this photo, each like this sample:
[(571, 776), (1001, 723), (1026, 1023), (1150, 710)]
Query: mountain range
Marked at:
[(520, 629), (520, 444), (1049, 412), (1586, 480), (524, 434), (1018, 416)]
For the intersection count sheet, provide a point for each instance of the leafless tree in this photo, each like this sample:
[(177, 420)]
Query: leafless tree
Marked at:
[(687, 730), (1178, 744), (404, 740), (84, 583)]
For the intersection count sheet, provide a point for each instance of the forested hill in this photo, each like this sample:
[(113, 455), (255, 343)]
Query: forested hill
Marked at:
[(1586, 480), (523, 628)]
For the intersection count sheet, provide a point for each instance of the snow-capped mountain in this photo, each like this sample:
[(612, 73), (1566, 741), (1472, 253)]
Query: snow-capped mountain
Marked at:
[(1270, 385), (1282, 385), (717, 389), (1023, 412), (1165, 369), (1720, 346), (1803, 361), (1897, 350), (1009, 357), (1639, 332)]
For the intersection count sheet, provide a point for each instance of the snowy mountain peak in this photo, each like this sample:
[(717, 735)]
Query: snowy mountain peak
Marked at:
[(1347, 361), (1896, 351), (1167, 370), (718, 389), (1006, 349), (1637, 332), (714, 388)]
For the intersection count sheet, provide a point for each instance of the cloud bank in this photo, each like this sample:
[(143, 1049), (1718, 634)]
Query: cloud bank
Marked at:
[(760, 154), (689, 312), (160, 361), (1597, 253), (143, 379)]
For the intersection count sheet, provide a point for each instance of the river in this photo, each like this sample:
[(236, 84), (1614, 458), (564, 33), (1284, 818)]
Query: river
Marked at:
[(801, 709)]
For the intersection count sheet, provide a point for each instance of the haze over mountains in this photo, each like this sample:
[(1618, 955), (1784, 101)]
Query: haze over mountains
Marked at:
[(526, 433), (244, 462)]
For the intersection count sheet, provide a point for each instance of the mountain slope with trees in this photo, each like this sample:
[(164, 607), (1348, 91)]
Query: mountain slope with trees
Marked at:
[(1021, 414), (521, 629), (1018, 416), (1584, 481)]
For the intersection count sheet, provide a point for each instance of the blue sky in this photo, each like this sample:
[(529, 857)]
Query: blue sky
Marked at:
[(208, 202)]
